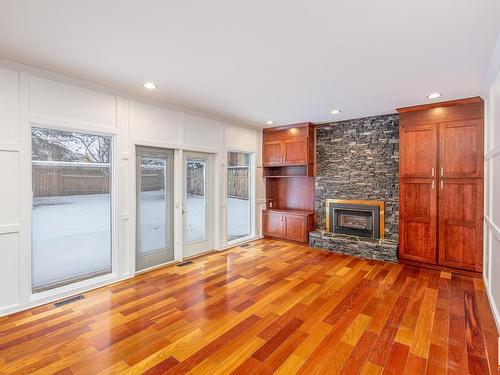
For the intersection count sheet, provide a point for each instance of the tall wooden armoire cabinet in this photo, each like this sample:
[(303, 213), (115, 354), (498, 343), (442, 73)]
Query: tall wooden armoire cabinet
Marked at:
[(441, 184)]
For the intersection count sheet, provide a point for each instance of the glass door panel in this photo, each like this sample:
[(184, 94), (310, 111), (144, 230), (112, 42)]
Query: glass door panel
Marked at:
[(154, 207), (197, 203)]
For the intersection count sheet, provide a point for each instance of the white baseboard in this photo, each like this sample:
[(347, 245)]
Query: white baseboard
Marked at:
[(493, 306)]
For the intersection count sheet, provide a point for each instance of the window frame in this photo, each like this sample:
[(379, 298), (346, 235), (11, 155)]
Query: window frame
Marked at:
[(92, 282), (252, 194)]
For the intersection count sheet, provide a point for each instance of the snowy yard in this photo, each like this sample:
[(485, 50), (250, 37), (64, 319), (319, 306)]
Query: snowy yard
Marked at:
[(72, 234)]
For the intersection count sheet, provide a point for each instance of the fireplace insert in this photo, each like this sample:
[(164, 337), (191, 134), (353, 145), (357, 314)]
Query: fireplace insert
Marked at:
[(359, 218)]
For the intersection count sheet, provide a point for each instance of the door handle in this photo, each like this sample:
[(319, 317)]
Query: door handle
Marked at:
[(184, 211), (432, 184), (432, 172), (442, 172), (442, 185)]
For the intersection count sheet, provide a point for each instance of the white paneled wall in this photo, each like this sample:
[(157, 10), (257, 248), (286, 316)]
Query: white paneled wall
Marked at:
[(492, 193), (29, 97), (9, 189)]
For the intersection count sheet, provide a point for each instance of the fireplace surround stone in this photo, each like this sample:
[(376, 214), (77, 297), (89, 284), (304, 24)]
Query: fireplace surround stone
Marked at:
[(358, 160)]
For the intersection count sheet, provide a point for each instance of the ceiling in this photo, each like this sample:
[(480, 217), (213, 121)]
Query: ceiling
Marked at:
[(252, 61)]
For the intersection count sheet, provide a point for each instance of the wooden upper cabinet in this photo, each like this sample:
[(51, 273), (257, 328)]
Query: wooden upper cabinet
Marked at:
[(295, 151), (418, 225), (272, 153), (461, 149), (289, 145), (418, 149), (460, 223)]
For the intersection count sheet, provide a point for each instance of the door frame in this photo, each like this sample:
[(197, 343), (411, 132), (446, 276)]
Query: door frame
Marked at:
[(169, 213), (200, 247)]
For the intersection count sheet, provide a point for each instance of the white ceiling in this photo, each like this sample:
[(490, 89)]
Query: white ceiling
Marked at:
[(253, 61)]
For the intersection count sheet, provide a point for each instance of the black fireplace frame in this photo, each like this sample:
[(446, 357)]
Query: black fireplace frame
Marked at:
[(375, 208)]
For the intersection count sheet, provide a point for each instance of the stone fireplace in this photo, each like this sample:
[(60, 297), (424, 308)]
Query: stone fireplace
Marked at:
[(357, 187)]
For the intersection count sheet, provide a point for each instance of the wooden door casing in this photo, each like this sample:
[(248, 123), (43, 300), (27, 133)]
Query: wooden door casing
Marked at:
[(418, 151), (461, 149), (296, 227), (273, 224), (461, 223), (272, 153), (418, 226)]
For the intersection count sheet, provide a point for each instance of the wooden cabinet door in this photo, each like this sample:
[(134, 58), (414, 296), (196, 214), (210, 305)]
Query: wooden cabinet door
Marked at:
[(461, 149), (418, 151), (461, 223), (273, 224), (418, 235), (295, 151), (272, 153), (296, 227)]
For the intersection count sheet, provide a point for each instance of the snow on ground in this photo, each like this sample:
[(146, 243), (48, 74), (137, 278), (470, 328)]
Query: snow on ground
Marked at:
[(71, 234)]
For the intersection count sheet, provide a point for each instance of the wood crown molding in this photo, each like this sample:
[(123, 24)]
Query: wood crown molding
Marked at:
[(449, 103), (283, 127)]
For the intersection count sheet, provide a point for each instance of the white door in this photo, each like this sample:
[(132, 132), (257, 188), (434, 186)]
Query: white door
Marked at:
[(197, 205), (155, 207)]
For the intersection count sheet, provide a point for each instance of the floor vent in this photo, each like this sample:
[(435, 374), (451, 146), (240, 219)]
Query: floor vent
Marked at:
[(69, 300), (245, 245), (187, 262)]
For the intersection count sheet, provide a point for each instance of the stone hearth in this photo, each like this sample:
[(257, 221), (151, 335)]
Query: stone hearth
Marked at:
[(358, 246)]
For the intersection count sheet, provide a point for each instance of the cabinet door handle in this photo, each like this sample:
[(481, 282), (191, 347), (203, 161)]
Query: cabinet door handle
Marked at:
[(432, 172), (432, 184), (442, 171), (442, 185)]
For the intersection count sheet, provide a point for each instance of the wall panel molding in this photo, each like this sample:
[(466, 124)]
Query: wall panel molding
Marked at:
[(493, 227), (10, 147), (9, 229)]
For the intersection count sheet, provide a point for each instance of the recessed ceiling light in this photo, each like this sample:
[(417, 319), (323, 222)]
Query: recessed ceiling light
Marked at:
[(150, 85), (335, 111), (434, 95), (270, 122)]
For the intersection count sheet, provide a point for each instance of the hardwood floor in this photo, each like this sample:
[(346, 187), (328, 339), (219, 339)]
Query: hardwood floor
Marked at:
[(271, 307)]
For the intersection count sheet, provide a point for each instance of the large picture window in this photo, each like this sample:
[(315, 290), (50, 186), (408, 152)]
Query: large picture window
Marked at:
[(71, 216), (239, 197)]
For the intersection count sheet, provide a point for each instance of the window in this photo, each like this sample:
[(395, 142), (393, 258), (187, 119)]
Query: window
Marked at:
[(71, 216), (239, 199)]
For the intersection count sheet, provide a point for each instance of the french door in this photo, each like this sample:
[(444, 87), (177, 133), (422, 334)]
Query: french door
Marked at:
[(155, 207), (197, 205)]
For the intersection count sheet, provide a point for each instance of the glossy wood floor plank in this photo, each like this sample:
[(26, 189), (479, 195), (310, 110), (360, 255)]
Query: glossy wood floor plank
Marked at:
[(271, 307)]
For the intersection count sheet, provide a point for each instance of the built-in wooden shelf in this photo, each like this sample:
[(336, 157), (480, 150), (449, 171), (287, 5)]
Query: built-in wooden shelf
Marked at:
[(289, 171)]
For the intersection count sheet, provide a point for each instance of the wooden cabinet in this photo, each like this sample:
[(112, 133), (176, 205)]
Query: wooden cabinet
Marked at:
[(273, 224), (288, 156), (288, 145), (418, 151), (418, 226), (287, 225), (461, 149), (272, 153), (295, 151), (461, 223), (296, 227), (441, 193)]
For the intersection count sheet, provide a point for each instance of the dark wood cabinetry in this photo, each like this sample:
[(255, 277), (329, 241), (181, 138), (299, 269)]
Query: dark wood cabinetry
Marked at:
[(418, 225), (288, 157), (441, 194), (288, 225)]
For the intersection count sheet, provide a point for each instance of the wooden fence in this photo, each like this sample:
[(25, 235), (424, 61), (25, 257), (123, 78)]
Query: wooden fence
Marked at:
[(58, 179)]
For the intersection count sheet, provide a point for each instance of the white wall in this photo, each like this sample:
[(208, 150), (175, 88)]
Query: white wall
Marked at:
[(32, 97), (492, 187)]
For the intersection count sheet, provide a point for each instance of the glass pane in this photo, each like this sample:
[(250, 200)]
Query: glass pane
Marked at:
[(238, 195), (153, 204), (195, 200), (71, 217)]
